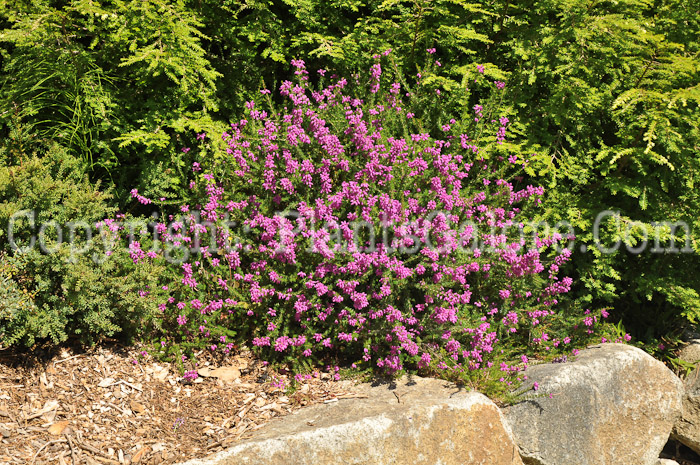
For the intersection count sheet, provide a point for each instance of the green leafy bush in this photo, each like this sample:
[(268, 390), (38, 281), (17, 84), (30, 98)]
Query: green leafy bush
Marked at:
[(55, 290), (608, 95), (120, 84)]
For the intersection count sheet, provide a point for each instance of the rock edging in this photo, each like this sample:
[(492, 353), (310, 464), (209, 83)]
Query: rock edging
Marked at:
[(420, 421), (613, 405)]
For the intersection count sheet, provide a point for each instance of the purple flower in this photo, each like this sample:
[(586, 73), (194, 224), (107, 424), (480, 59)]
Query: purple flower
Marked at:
[(311, 282)]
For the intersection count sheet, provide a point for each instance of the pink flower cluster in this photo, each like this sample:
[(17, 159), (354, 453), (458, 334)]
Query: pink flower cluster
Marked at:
[(353, 238)]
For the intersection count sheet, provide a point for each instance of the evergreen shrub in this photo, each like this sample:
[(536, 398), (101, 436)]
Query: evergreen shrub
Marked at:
[(58, 285), (351, 223)]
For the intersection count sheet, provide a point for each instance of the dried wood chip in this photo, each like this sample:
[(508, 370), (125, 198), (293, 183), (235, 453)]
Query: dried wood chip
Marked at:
[(57, 428), (105, 460), (107, 382), (49, 406), (139, 455), (73, 452), (44, 446), (161, 374), (136, 407), (89, 448), (137, 386), (226, 374), (44, 381)]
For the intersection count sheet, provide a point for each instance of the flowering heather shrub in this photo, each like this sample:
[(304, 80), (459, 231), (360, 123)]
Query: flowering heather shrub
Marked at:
[(339, 228)]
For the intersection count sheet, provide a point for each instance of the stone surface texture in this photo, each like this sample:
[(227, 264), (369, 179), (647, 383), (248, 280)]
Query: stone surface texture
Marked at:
[(687, 427), (691, 352), (411, 421), (614, 404)]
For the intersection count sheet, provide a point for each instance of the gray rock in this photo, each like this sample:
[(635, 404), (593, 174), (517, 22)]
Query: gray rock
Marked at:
[(689, 334), (613, 405), (417, 421), (687, 427), (691, 352)]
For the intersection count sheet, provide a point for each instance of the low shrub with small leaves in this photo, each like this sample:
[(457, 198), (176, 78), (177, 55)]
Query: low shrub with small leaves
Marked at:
[(353, 225), (56, 284)]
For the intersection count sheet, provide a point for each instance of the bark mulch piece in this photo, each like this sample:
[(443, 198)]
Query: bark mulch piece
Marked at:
[(100, 407)]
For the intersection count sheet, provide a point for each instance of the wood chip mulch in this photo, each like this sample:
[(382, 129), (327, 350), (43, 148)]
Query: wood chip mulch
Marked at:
[(100, 407)]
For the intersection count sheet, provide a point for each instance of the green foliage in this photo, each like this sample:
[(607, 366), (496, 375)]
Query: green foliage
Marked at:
[(610, 97), (255, 40), (13, 299), (604, 94), (59, 291), (121, 84)]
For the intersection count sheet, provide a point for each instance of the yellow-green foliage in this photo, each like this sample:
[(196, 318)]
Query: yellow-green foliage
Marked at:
[(604, 94)]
